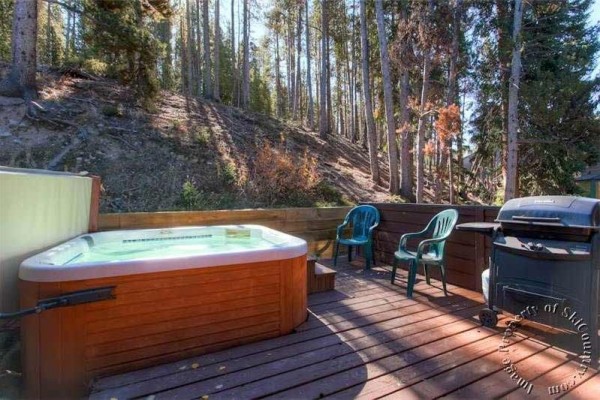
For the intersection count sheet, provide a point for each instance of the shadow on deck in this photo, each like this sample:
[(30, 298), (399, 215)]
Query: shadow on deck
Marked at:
[(367, 340)]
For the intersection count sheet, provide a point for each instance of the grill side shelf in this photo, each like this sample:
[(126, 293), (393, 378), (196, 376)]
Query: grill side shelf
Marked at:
[(515, 246)]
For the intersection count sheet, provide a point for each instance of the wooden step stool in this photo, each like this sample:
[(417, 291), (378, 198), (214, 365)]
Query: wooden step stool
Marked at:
[(320, 278)]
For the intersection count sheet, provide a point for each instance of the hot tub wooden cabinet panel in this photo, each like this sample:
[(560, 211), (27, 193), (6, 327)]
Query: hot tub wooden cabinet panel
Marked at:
[(155, 318)]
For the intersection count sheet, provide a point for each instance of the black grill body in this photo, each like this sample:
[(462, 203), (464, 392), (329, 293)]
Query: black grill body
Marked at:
[(546, 252)]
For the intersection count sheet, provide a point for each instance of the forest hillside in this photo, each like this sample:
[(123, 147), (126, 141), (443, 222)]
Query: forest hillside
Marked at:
[(213, 104), (186, 154)]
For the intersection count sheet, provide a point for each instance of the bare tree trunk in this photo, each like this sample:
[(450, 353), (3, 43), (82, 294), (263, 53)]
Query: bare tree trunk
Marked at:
[(503, 58), (233, 56), (217, 89), (328, 86), (207, 79), (323, 119), (291, 65), (190, 50), (347, 91), (298, 84), (459, 140), (388, 99), (311, 116), (421, 126), (452, 88), (277, 77), (184, 60), (318, 78), (197, 69), (348, 95), (371, 139), (240, 65), (423, 116), (246, 61), (355, 135), (511, 189), (68, 33), (21, 81), (406, 186), (407, 140)]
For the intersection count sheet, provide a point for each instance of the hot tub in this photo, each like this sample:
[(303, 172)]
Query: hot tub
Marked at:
[(179, 292)]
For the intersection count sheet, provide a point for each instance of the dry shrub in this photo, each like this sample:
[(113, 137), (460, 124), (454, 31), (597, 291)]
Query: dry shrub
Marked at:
[(280, 178)]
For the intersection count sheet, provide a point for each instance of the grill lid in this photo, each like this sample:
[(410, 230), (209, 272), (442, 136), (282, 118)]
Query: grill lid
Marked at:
[(552, 211)]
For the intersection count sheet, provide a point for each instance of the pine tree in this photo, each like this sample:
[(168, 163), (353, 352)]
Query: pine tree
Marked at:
[(559, 132)]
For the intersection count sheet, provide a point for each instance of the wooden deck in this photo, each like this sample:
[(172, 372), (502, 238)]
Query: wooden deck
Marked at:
[(367, 340)]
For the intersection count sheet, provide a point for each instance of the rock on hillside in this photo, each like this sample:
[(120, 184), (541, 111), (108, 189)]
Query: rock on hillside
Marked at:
[(145, 159)]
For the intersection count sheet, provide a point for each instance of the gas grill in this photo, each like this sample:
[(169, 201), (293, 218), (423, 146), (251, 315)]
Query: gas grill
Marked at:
[(546, 253)]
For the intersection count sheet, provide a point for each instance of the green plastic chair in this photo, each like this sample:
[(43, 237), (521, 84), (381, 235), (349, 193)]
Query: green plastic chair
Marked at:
[(364, 220), (430, 252)]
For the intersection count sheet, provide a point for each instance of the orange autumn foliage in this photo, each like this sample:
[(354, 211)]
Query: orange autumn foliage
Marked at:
[(429, 148), (448, 123)]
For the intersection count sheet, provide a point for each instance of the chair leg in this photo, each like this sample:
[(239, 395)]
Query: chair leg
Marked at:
[(394, 267), (443, 273), (368, 256), (335, 252), (349, 253), (412, 275), (372, 253), (426, 271)]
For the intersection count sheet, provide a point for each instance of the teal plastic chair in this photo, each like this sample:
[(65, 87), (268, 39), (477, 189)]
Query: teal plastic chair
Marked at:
[(430, 252), (364, 219)]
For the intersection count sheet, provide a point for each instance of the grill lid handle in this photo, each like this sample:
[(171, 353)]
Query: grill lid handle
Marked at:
[(535, 219)]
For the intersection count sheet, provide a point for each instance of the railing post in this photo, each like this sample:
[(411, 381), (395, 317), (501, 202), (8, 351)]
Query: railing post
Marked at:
[(94, 204), (479, 249)]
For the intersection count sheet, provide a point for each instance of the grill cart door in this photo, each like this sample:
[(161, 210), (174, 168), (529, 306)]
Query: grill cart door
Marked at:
[(538, 273)]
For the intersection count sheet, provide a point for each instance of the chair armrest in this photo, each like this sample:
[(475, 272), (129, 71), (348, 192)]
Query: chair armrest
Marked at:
[(339, 229), (426, 243), (404, 238), (372, 228)]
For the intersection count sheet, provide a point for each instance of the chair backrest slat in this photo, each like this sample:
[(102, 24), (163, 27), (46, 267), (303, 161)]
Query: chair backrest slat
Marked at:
[(362, 219), (442, 225)]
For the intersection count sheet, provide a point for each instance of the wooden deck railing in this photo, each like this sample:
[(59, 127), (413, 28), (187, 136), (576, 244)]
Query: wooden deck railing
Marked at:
[(315, 225), (466, 253)]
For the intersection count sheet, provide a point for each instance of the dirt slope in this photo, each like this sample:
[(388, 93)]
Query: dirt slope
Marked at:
[(144, 158)]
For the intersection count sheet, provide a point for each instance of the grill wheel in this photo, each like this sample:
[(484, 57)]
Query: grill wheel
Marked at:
[(488, 318)]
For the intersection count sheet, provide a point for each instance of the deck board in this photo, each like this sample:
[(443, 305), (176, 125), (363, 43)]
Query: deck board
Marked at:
[(367, 340)]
